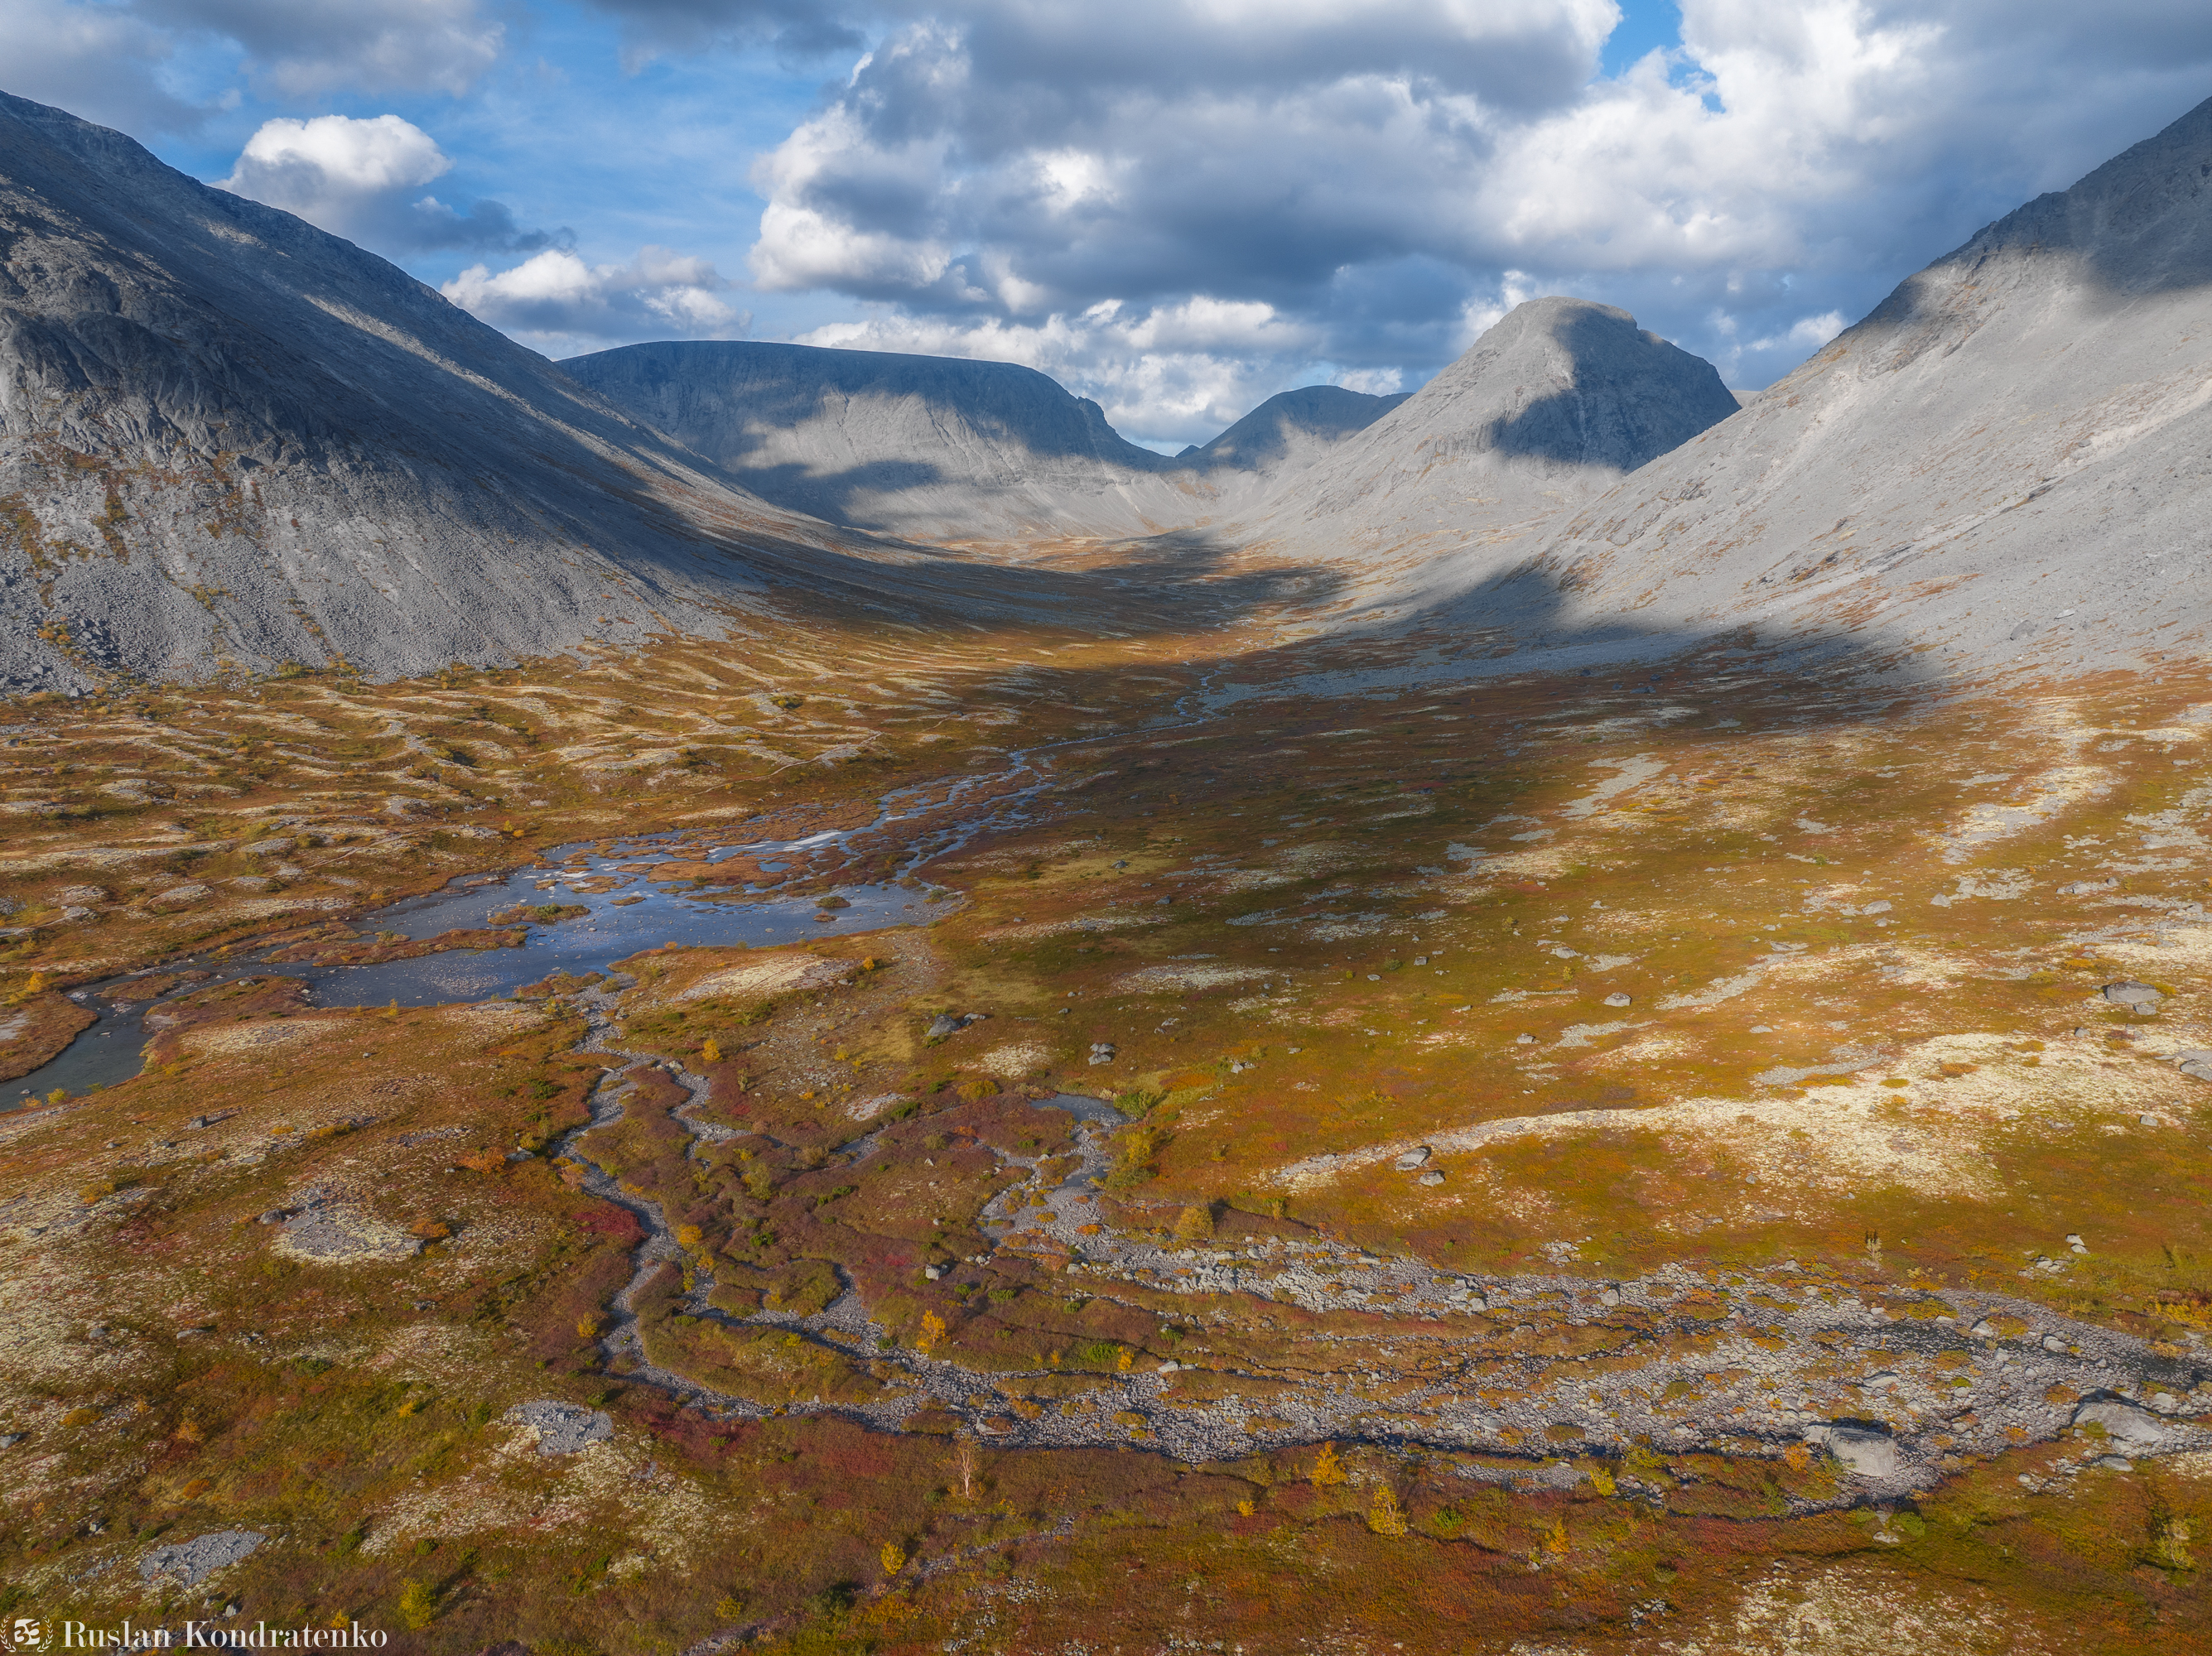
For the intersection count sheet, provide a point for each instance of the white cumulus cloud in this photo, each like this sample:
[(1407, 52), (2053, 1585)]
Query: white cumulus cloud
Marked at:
[(558, 304), (1384, 178), (1166, 376), (360, 178)]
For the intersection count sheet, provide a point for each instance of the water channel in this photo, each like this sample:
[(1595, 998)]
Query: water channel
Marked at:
[(626, 913)]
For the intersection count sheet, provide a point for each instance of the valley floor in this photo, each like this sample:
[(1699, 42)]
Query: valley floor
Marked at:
[(1347, 1147)]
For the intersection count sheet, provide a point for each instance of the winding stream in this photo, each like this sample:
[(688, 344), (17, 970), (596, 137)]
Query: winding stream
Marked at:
[(1748, 1390)]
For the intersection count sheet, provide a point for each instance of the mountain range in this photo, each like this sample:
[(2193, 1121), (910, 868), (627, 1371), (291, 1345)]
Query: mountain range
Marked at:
[(226, 437)]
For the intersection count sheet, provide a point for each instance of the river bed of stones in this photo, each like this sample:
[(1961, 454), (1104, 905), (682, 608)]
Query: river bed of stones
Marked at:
[(1899, 1400)]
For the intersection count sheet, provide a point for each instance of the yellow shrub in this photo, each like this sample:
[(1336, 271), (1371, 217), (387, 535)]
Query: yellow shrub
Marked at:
[(418, 1606), (1326, 1468)]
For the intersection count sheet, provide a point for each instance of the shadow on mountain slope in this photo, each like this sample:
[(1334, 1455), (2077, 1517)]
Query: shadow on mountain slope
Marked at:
[(1625, 406)]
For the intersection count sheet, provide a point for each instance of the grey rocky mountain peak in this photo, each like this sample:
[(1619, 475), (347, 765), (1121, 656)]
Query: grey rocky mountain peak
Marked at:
[(1440, 505)]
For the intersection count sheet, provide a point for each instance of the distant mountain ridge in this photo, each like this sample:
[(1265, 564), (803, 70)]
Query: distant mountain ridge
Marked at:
[(1292, 428), (944, 449)]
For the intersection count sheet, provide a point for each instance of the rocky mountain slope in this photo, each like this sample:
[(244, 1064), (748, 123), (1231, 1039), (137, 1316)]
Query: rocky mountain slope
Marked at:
[(946, 449), (2008, 464), (227, 436), (1292, 429), (1554, 404)]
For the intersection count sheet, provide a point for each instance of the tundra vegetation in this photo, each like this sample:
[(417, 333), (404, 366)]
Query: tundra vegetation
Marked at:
[(1544, 1107)]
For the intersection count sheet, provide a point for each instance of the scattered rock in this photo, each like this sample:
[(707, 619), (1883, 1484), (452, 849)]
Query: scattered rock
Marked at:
[(84, 894), (1413, 1158), (2141, 996), (1430, 1178), (562, 1428), (2083, 888), (192, 1561), (2114, 1463), (1617, 1000), (2196, 1064), (1101, 1052), (177, 897), (401, 804), (77, 914)]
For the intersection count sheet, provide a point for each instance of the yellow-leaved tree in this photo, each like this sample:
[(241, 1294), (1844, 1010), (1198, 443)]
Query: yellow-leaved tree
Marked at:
[(1384, 1515), (1326, 1467)]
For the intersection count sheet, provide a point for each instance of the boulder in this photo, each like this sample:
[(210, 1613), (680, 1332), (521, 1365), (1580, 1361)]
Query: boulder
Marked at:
[(1865, 1449), (2126, 1424)]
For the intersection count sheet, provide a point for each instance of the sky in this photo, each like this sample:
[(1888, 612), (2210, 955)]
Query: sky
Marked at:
[(1176, 208)]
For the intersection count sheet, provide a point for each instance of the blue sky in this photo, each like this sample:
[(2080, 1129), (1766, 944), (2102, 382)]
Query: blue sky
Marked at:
[(1178, 207)]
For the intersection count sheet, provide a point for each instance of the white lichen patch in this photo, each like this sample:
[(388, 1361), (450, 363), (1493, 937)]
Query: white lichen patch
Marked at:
[(1928, 1136), (227, 1039), (1015, 1058), (1155, 980), (782, 975), (1629, 772), (332, 1234)]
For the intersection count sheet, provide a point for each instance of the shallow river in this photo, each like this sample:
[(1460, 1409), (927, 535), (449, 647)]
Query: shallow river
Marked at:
[(632, 916)]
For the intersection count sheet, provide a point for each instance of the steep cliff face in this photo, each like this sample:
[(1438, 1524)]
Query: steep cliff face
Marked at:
[(226, 435), (2008, 463)]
